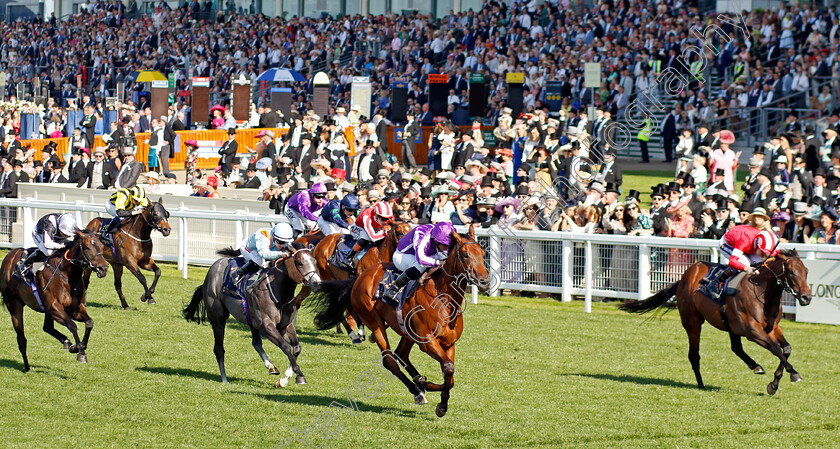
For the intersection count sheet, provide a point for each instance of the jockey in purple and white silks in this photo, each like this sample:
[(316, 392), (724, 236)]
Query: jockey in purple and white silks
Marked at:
[(424, 247), (303, 207)]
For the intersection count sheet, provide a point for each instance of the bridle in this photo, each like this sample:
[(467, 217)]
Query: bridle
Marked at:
[(85, 263), (781, 278), (305, 275), (156, 224), (460, 263)]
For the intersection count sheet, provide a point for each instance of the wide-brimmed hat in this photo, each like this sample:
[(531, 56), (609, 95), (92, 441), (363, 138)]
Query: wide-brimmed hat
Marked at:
[(383, 172), (443, 190), (217, 108), (782, 159), (474, 163), (191, 143), (320, 162), (264, 163), (128, 151), (152, 175), (509, 201), (727, 137), (447, 175), (504, 152), (759, 212)]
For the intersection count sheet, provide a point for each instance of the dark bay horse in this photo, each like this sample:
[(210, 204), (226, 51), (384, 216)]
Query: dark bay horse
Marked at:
[(62, 291), (754, 311), (133, 247), (270, 309), (433, 318), (381, 251)]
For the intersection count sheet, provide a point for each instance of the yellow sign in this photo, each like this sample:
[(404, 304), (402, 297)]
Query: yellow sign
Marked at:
[(516, 77)]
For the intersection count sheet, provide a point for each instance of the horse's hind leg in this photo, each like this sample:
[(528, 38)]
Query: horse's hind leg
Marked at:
[(49, 327), (693, 324), (219, 348), (256, 342), (150, 265), (403, 351), (118, 272), (16, 310), (738, 349)]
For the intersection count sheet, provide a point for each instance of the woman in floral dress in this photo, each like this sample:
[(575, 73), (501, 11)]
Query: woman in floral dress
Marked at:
[(193, 174)]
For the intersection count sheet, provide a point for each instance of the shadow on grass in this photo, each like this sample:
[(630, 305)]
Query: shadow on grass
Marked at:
[(101, 305), (18, 366), (201, 375), (325, 401), (642, 380)]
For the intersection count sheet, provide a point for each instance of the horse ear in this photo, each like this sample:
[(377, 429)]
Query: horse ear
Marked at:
[(160, 200), (472, 232)]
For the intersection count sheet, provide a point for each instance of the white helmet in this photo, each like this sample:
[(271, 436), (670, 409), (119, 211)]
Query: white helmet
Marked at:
[(67, 224), (282, 233)]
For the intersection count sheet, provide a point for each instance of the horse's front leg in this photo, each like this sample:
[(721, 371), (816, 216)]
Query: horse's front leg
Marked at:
[(769, 342), (446, 358), (150, 265), (135, 270)]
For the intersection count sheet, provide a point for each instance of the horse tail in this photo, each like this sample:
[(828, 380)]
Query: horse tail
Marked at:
[(652, 302), (195, 310), (229, 252), (330, 301)]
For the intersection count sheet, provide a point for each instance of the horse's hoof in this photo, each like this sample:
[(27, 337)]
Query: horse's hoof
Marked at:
[(758, 370), (281, 383), (795, 377), (771, 388), (126, 308), (440, 410), (73, 349), (151, 301), (143, 298), (300, 380), (66, 345), (357, 341), (420, 399), (81, 358), (273, 370), (224, 381)]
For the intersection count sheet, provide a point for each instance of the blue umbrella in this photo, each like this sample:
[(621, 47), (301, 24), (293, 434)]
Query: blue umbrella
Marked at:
[(281, 75)]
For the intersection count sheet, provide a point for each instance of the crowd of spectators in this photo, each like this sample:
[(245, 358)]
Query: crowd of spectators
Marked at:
[(545, 170)]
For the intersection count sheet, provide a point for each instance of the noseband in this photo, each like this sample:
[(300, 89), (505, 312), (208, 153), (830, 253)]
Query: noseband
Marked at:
[(781, 278)]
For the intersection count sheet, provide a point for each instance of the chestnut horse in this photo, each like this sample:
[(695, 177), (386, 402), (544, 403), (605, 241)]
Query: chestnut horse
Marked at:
[(433, 318), (133, 247), (381, 251), (62, 291), (754, 311)]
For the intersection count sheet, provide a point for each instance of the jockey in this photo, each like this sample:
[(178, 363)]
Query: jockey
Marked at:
[(334, 215), (52, 232), (264, 247), (425, 246), (745, 246), (302, 206), (122, 204), (368, 229)]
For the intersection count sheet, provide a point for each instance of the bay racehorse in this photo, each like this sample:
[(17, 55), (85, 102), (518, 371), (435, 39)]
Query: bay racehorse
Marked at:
[(61, 292), (754, 311), (133, 247), (433, 318), (269, 307), (381, 251)]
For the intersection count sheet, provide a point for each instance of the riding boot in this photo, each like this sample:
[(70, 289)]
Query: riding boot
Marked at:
[(109, 231), (243, 272), (351, 258), (400, 282), (26, 264), (722, 280)]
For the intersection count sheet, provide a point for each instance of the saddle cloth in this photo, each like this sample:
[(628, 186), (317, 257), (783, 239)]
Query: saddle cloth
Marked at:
[(711, 286), (342, 251), (228, 287), (29, 277), (390, 275)]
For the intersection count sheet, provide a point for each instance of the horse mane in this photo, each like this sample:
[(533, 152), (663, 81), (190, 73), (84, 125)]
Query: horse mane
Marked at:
[(789, 253)]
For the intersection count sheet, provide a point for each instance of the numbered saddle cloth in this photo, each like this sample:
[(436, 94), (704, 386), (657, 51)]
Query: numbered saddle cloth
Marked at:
[(711, 285)]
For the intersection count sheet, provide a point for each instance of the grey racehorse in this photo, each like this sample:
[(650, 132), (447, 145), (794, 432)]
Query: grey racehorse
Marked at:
[(270, 307)]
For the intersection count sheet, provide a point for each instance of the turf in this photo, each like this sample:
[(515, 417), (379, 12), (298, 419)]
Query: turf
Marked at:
[(530, 373)]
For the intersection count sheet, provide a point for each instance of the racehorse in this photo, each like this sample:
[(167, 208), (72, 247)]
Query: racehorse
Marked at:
[(61, 291), (381, 251), (269, 308), (754, 311), (434, 321), (133, 247)]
